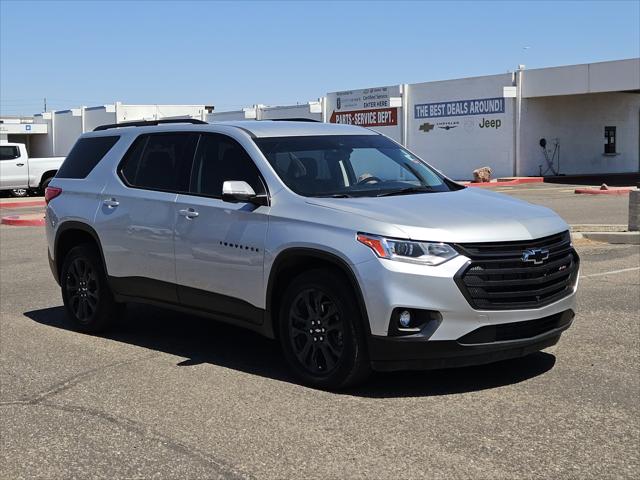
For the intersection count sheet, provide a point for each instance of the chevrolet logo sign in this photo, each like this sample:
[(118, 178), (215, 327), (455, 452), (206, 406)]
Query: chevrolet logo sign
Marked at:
[(426, 127), (535, 255)]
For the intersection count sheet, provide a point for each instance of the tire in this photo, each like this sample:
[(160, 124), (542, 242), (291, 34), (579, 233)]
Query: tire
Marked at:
[(329, 353), (19, 192), (87, 298), (44, 184)]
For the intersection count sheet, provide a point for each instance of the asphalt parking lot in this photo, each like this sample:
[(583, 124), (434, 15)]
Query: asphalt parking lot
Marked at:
[(575, 209), (168, 396)]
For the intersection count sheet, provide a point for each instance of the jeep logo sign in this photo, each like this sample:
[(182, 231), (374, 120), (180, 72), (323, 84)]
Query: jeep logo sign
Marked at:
[(484, 123)]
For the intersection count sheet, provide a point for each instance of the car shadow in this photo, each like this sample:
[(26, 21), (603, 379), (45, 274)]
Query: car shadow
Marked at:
[(200, 341)]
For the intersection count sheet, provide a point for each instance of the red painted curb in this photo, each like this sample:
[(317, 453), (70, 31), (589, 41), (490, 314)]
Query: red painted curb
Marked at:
[(507, 183), (33, 203), (610, 191), (517, 180), (23, 221)]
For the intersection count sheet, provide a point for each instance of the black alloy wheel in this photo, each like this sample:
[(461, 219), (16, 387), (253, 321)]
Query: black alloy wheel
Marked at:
[(87, 298), (82, 289), (316, 331), (321, 330)]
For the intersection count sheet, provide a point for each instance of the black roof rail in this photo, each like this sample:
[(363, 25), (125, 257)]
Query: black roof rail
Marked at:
[(294, 120), (149, 123)]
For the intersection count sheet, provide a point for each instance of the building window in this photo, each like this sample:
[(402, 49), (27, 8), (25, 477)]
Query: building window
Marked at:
[(609, 140)]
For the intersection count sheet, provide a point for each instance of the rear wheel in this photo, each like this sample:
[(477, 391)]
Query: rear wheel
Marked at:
[(19, 192), (88, 301), (45, 183), (321, 331)]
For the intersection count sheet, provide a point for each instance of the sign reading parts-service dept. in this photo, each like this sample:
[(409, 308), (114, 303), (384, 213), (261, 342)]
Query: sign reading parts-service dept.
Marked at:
[(459, 108), (369, 107)]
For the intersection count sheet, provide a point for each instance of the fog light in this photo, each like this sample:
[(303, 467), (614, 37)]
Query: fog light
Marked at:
[(405, 319)]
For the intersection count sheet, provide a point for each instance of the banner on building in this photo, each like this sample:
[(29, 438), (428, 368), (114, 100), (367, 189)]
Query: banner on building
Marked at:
[(367, 118), (459, 108), (369, 107)]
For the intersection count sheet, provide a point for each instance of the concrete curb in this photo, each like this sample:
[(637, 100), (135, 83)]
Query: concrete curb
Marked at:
[(625, 238), (31, 203), (610, 191), (33, 220), (595, 227)]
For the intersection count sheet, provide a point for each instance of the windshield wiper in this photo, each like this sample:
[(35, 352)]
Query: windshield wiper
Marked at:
[(406, 190), (332, 195)]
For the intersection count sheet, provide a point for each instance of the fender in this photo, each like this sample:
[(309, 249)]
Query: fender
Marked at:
[(64, 227), (338, 262)]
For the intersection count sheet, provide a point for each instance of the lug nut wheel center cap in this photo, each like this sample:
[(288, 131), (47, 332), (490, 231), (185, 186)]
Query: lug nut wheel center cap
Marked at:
[(317, 330)]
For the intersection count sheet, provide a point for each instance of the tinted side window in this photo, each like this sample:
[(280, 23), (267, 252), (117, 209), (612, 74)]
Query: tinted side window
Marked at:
[(8, 153), (218, 159), (85, 155), (160, 162)]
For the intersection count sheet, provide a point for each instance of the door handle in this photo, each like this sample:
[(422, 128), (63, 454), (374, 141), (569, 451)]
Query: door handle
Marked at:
[(20, 164), (111, 203), (189, 213)]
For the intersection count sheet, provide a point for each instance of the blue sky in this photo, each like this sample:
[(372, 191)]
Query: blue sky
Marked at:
[(239, 53)]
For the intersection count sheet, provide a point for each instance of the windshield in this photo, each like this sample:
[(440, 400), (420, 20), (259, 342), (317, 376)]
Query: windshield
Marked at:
[(349, 166)]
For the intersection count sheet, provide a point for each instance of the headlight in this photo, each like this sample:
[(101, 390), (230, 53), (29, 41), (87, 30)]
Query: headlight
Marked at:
[(424, 253)]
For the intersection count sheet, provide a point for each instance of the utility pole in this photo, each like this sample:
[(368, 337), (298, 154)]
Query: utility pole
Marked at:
[(45, 104)]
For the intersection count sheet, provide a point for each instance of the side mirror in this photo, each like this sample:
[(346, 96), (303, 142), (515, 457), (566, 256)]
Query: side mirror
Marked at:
[(236, 191)]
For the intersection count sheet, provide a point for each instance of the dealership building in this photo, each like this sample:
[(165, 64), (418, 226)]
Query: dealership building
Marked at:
[(572, 120), (52, 134)]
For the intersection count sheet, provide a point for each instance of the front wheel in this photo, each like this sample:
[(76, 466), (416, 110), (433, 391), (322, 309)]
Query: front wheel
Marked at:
[(88, 301), (321, 331)]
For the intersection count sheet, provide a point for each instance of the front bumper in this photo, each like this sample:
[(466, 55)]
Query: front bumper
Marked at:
[(387, 285), (487, 344)]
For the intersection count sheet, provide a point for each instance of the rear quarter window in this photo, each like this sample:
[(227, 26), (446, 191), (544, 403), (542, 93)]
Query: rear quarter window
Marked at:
[(85, 155)]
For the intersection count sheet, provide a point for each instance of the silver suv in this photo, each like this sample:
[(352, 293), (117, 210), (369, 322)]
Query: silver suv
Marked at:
[(343, 245)]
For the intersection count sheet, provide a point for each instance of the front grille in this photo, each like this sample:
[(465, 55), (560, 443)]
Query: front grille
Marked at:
[(497, 277)]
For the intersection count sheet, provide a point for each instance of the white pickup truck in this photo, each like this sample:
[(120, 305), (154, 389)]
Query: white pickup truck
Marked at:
[(20, 174)]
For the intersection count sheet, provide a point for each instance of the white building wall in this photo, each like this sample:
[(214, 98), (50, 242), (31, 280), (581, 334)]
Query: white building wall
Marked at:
[(456, 142), (618, 75), (225, 116), (577, 122), (128, 113), (264, 112), (67, 127), (43, 145), (288, 111), (100, 115)]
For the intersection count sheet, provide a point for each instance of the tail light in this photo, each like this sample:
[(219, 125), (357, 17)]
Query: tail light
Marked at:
[(50, 193)]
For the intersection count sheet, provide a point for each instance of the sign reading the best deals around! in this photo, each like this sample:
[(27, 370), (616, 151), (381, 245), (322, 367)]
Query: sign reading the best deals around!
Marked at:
[(370, 107), (460, 108)]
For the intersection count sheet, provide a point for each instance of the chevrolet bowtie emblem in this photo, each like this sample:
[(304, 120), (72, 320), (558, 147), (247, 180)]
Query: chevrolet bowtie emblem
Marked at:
[(535, 255)]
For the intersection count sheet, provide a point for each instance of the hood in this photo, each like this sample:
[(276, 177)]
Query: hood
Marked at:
[(467, 215)]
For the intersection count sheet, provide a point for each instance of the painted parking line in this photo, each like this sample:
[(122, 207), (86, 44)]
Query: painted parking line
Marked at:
[(610, 272)]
